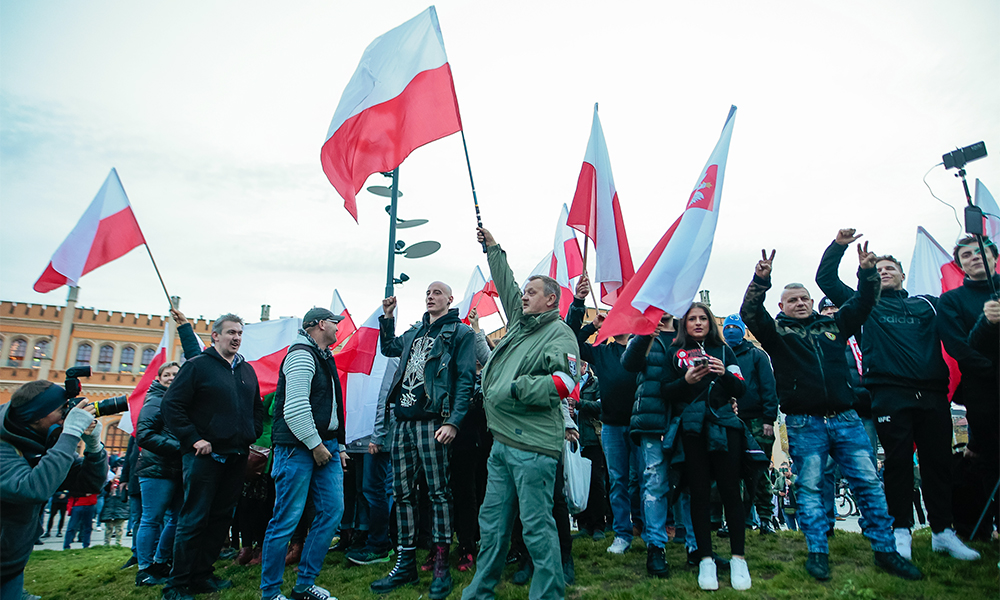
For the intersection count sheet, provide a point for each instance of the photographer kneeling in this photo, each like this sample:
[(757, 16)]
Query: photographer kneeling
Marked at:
[(39, 435)]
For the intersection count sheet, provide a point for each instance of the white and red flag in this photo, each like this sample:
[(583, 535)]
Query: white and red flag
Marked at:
[(106, 231), (361, 366), (668, 280), (346, 326), (264, 346), (596, 213), (984, 200), (479, 294), (400, 97), (564, 263)]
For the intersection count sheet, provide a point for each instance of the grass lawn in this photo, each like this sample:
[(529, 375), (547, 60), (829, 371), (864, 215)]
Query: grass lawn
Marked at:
[(776, 566)]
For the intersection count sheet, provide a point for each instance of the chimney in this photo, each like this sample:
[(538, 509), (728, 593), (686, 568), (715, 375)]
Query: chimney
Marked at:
[(265, 312)]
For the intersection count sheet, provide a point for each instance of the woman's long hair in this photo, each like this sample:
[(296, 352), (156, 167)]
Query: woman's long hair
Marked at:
[(714, 337)]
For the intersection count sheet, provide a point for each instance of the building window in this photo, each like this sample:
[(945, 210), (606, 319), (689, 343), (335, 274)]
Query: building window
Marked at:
[(41, 351), (17, 350), (83, 352), (104, 358), (116, 440), (147, 357), (128, 357)]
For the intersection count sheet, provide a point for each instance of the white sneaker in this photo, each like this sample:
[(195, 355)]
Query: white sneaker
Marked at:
[(707, 577), (903, 542), (739, 574), (619, 546), (947, 541)]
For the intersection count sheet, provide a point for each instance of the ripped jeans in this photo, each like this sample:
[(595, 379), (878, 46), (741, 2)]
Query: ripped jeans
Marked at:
[(655, 490)]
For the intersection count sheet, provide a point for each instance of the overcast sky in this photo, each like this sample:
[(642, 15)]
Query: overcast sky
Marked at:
[(214, 114)]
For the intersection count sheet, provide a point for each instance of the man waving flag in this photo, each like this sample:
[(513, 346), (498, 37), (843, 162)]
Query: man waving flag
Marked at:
[(668, 280), (400, 97), (596, 214)]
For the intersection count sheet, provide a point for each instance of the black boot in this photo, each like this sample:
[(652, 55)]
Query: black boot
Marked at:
[(656, 562), (404, 573), (818, 565), (442, 584)]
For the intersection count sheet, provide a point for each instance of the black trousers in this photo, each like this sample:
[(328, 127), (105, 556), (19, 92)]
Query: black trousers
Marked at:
[(594, 518), (700, 468), (467, 487), (211, 491), (930, 429)]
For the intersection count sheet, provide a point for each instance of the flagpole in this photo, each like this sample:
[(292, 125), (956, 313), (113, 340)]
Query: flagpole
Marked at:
[(157, 269), (475, 201), (592, 295)]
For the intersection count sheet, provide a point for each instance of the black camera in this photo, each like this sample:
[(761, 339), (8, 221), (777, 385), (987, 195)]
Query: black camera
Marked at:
[(959, 158), (102, 408)]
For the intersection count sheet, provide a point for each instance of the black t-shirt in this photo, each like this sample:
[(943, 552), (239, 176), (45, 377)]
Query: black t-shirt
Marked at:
[(412, 398)]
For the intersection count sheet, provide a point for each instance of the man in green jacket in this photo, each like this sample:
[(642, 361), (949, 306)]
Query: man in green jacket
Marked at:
[(531, 371)]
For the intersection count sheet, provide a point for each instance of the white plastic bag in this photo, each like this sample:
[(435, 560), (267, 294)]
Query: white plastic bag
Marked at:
[(576, 473)]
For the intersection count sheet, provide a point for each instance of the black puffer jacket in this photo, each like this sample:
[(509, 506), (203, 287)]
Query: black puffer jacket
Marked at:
[(588, 412), (161, 452), (650, 412), (760, 401)]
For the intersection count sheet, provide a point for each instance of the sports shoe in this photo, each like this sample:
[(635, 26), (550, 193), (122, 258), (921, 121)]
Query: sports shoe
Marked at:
[(739, 576), (145, 578), (947, 541), (369, 555), (708, 578), (598, 536), (818, 565), (466, 561), (619, 546), (131, 562), (656, 562), (723, 531), (310, 592), (904, 541), (178, 593), (523, 575), (210, 585), (279, 596), (894, 564)]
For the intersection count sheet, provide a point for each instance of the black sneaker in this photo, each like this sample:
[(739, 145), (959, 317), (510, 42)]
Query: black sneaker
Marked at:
[(211, 585), (370, 556), (177, 593), (310, 592), (723, 531), (145, 578), (894, 564), (656, 562), (818, 565), (131, 562)]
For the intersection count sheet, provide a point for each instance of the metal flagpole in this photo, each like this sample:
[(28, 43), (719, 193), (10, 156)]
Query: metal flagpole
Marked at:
[(475, 201), (157, 269)]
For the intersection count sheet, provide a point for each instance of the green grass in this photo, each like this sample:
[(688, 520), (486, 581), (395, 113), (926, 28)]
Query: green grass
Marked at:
[(776, 566)]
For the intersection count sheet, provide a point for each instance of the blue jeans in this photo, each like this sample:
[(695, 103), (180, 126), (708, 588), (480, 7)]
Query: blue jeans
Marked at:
[(161, 503), (842, 437), (656, 487), (620, 453), (13, 587), (82, 521), (684, 508), (295, 475), (134, 517), (378, 493)]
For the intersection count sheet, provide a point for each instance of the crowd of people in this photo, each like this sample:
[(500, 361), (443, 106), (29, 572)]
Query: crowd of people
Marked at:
[(470, 437)]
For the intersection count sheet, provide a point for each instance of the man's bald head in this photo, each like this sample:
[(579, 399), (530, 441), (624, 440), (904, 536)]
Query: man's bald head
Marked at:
[(438, 299)]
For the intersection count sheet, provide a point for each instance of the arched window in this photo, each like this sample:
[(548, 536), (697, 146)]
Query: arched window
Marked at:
[(128, 357), (41, 351), (83, 352), (104, 358), (116, 440), (16, 356), (147, 357)]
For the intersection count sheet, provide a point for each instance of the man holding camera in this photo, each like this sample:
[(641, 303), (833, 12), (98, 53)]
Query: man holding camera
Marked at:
[(214, 409), (39, 433)]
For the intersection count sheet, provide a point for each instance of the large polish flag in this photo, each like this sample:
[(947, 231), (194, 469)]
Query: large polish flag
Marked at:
[(564, 263), (130, 419), (668, 280), (479, 294), (346, 326), (984, 200), (106, 231), (400, 97), (264, 346), (361, 366), (596, 213)]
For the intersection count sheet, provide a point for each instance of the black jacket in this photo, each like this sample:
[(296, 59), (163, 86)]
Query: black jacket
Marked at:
[(617, 385), (760, 401), (212, 401), (130, 470), (961, 309), (810, 368), (650, 412), (161, 452), (588, 412), (900, 344), (450, 370), (325, 393)]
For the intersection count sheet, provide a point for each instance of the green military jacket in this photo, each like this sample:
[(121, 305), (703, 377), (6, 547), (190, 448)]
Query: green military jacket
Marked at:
[(522, 399)]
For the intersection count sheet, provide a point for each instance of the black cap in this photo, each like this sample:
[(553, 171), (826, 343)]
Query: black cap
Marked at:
[(825, 303), (317, 314)]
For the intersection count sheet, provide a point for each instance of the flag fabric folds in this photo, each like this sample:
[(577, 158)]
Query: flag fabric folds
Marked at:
[(564, 263), (361, 367), (668, 280), (106, 231), (346, 326), (264, 346), (400, 97), (479, 294), (596, 213), (984, 200)]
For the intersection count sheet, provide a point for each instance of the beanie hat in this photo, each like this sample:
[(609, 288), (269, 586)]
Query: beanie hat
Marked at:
[(733, 329)]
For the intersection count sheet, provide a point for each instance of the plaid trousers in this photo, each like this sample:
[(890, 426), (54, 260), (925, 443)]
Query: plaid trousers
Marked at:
[(415, 451)]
